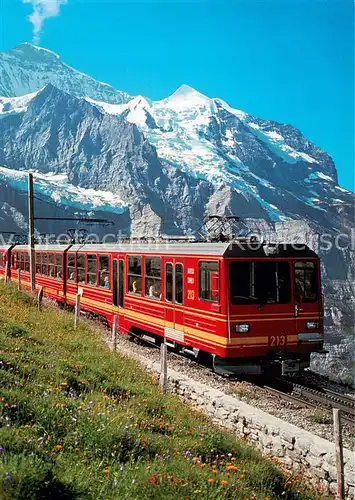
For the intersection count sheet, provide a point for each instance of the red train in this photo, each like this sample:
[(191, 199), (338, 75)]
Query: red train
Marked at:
[(249, 306)]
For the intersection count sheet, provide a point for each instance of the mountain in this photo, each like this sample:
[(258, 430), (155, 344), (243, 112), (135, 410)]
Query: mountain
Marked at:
[(27, 68), (159, 167)]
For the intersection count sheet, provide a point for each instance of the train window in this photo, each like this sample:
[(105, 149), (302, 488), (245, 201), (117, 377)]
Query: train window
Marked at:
[(208, 280), (305, 281), (44, 263), (38, 263), (51, 265), (23, 262), (104, 271), (135, 274), (71, 267), (169, 282), (153, 277), (260, 282), (80, 262), (91, 274), (179, 284), (27, 262), (58, 263)]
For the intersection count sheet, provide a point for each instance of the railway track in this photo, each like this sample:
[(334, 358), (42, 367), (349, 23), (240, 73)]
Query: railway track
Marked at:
[(327, 398), (307, 397)]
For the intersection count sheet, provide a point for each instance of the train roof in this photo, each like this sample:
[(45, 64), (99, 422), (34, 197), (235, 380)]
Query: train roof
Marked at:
[(227, 250)]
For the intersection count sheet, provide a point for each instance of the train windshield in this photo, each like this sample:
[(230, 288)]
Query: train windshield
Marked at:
[(260, 282)]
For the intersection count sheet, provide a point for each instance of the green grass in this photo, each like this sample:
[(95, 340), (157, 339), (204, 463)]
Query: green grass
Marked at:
[(77, 421)]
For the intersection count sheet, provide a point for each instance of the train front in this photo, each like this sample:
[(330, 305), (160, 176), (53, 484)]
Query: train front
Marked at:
[(275, 310)]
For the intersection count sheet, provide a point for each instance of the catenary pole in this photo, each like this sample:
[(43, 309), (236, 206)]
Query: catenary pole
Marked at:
[(31, 232)]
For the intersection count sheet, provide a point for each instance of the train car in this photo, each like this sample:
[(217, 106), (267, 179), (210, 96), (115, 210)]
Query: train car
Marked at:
[(248, 306)]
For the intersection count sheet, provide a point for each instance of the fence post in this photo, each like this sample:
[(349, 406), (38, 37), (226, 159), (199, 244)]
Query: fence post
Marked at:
[(77, 310), (7, 268), (114, 332), (39, 298), (164, 366), (19, 279), (338, 454)]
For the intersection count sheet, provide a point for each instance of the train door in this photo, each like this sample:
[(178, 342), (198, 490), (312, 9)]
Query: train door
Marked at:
[(118, 282), (174, 297), (308, 299)]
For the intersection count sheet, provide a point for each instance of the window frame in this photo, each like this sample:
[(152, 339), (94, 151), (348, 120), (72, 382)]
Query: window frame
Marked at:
[(68, 267), (108, 271), (38, 263), (172, 282), (152, 278), (51, 256), (80, 271), (87, 269), (211, 300), (254, 283), (182, 281), (134, 275), (58, 267), (315, 269)]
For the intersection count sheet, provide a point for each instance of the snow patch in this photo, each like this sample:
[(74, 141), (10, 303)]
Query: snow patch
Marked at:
[(60, 190)]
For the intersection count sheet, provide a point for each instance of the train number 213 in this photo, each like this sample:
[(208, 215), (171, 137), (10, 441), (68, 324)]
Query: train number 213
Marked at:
[(277, 340)]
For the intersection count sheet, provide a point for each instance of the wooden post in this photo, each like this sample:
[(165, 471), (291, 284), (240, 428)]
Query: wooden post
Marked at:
[(7, 268), (164, 366), (31, 233), (338, 454), (77, 310), (19, 279), (39, 298), (114, 332)]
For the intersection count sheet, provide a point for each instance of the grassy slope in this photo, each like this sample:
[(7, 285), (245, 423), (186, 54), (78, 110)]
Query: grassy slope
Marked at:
[(77, 421)]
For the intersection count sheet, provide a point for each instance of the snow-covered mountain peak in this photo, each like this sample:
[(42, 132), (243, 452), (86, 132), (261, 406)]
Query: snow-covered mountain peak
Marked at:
[(27, 50), (28, 68), (185, 97), (138, 101)]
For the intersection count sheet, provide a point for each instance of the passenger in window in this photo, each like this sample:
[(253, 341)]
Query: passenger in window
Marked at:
[(136, 286), (154, 291), (59, 275), (71, 276), (106, 282)]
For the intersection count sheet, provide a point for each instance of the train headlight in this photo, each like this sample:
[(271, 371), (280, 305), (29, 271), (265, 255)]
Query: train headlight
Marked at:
[(242, 328), (312, 325)]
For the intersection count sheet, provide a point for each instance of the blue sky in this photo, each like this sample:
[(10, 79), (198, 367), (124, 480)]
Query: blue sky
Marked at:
[(287, 60)]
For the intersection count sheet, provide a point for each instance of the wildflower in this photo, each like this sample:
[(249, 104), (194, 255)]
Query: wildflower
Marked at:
[(210, 480), (224, 482), (7, 477), (133, 481), (59, 447), (2, 450), (242, 476), (115, 482), (107, 471)]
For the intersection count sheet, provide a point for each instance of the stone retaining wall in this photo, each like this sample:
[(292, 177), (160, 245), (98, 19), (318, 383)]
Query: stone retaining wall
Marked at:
[(295, 448)]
